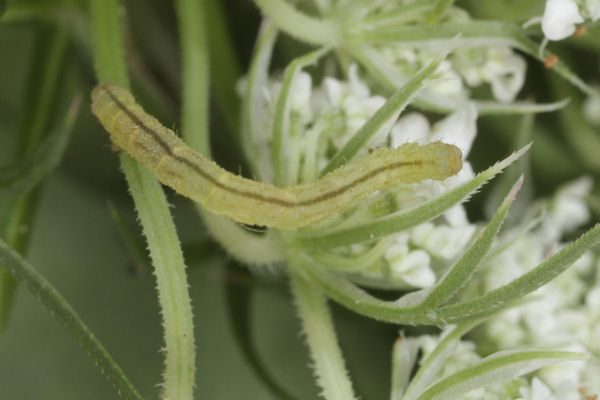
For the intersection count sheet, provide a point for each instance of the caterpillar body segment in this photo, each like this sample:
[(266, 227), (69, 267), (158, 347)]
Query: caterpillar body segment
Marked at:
[(191, 174)]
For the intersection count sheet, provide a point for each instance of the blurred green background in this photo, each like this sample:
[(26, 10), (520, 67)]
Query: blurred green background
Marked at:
[(76, 245)]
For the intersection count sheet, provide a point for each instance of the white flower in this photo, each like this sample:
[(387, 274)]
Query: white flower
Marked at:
[(537, 391), (353, 101), (499, 66), (445, 82), (567, 210), (565, 376), (443, 241), (559, 19), (301, 89), (459, 128), (412, 127), (410, 267)]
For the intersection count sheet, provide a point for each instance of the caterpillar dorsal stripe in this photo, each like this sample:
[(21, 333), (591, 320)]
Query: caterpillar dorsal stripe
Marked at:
[(177, 165)]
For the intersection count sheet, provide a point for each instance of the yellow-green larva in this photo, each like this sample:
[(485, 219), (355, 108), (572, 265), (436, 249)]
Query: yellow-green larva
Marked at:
[(177, 165)]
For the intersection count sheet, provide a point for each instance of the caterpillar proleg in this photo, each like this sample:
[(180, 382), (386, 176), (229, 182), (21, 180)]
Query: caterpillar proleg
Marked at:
[(177, 165)]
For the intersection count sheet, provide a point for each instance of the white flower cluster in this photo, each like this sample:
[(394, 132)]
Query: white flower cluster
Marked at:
[(496, 65), (562, 315), (561, 16), (327, 116), (565, 313)]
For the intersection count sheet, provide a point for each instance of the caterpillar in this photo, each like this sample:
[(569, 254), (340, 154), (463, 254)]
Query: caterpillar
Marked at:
[(189, 173)]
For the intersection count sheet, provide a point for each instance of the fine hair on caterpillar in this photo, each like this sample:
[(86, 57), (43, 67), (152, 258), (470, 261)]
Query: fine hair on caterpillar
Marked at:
[(188, 172)]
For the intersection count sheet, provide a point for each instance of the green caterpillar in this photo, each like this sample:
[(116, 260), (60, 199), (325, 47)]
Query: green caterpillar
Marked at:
[(177, 165)]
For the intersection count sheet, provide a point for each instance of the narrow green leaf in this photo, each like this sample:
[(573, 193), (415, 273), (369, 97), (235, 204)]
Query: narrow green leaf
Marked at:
[(433, 363), (520, 168), (382, 118), (461, 272), (518, 107), (46, 294), (397, 223), (506, 295), (27, 173), (281, 120), (356, 299), (254, 137), (471, 33), (496, 368)]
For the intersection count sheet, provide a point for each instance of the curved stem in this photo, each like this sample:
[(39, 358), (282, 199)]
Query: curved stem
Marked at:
[(321, 339), (153, 211), (326, 32)]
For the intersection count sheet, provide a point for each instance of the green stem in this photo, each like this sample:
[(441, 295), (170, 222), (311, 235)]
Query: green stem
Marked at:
[(194, 51), (169, 268), (158, 226), (244, 246), (108, 51), (321, 339)]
